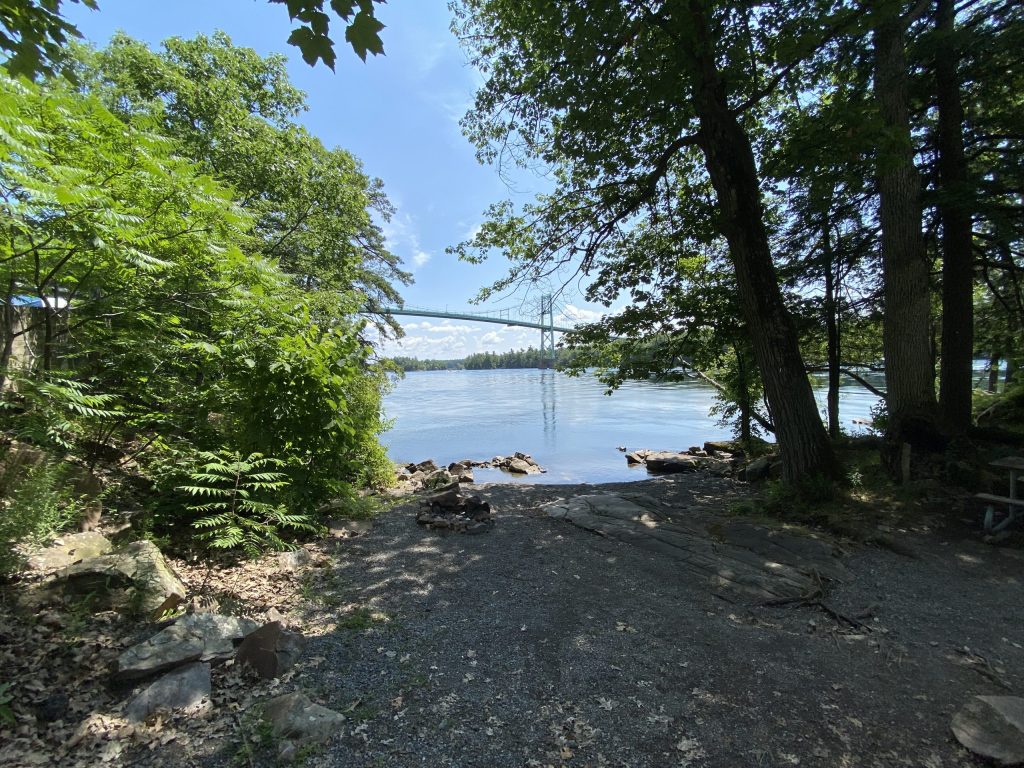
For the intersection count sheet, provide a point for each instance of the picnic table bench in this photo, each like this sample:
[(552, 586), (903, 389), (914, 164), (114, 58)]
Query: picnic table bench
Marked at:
[(1011, 503)]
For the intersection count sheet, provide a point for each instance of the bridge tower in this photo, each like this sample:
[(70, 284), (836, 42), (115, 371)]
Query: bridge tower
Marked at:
[(547, 331)]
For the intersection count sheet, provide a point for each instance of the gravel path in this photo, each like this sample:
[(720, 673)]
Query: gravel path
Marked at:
[(540, 644)]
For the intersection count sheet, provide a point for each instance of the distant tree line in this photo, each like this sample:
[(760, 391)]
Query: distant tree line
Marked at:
[(415, 364), (487, 361)]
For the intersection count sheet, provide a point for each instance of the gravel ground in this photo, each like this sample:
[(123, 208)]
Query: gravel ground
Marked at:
[(539, 644)]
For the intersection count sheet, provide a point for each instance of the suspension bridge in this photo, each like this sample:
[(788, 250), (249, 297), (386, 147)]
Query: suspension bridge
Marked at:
[(545, 323)]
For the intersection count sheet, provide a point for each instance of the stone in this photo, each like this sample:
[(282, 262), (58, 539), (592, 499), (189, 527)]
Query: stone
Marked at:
[(136, 576), (732, 556), (195, 637), (294, 560), (186, 688), (69, 549), (462, 471), (287, 751), (294, 717), (993, 727), (716, 446), (438, 479), (271, 650), (426, 467), (756, 470), (343, 529), (519, 467), (671, 462), (634, 457), (451, 509), (717, 467)]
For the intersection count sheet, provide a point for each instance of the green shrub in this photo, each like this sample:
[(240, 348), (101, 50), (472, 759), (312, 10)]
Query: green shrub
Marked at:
[(38, 505), (238, 514)]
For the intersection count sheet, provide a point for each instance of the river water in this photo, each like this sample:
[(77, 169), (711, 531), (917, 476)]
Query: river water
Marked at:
[(567, 424)]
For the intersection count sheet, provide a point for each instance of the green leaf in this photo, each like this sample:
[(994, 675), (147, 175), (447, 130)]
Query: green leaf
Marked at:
[(364, 35)]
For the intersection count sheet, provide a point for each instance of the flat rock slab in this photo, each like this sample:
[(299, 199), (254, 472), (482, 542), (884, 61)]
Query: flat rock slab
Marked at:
[(993, 727), (184, 689), (294, 716), (139, 570), (196, 637), (731, 555), (69, 549)]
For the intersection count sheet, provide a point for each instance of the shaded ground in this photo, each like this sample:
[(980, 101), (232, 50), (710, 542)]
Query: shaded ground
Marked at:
[(543, 644), (539, 643)]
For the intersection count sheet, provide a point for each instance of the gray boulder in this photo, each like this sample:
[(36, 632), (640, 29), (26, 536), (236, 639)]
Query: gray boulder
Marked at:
[(196, 637), (294, 560), (993, 727), (293, 716), (720, 446), (187, 688), (438, 479), (756, 470), (69, 549), (670, 462), (137, 576), (271, 650), (519, 467)]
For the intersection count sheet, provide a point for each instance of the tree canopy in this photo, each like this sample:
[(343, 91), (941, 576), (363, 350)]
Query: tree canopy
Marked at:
[(34, 34), (797, 159), (200, 263)]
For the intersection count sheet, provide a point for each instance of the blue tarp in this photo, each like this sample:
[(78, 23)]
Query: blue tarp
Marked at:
[(35, 301)]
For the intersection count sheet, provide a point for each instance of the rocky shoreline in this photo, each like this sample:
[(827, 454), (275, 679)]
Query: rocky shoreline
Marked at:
[(718, 458), (428, 476)]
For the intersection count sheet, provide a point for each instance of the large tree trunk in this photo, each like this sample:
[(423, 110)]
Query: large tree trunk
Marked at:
[(803, 442), (909, 368), (957, 362)]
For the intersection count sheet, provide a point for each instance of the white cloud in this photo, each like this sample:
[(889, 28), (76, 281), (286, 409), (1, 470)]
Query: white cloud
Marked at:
[(572, 315), (445, 326), (403, 239), (457, 341)]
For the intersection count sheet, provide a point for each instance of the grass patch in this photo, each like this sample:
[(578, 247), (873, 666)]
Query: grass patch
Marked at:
[(363, 618)]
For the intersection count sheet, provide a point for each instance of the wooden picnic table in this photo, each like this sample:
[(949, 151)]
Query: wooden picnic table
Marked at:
[(1016, 466)]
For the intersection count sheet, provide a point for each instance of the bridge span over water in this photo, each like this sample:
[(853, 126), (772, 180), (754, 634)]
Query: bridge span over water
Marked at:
[(545, 323)]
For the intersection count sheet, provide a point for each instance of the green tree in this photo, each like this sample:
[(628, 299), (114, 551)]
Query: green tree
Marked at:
[(623, 100), (316, 213), (175, 340), (34, 34)]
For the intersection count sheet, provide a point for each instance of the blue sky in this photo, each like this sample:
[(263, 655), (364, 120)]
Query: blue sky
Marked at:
[(399, 114)]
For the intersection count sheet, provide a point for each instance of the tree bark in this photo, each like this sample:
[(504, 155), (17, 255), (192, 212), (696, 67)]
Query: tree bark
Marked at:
[(909, 368), (803, 443), (993, 373), (832, 330), (957, 361)]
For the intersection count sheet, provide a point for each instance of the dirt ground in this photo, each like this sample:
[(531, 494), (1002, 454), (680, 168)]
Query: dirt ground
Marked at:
[(542, 644)]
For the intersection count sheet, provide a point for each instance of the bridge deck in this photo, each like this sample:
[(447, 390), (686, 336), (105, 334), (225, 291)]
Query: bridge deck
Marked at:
[(497, 320)]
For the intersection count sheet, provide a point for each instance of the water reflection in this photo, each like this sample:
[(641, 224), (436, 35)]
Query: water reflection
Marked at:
[(568, 424), (548, 400)]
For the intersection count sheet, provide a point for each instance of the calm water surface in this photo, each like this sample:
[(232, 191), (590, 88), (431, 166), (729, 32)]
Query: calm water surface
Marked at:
[(567, 424)]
